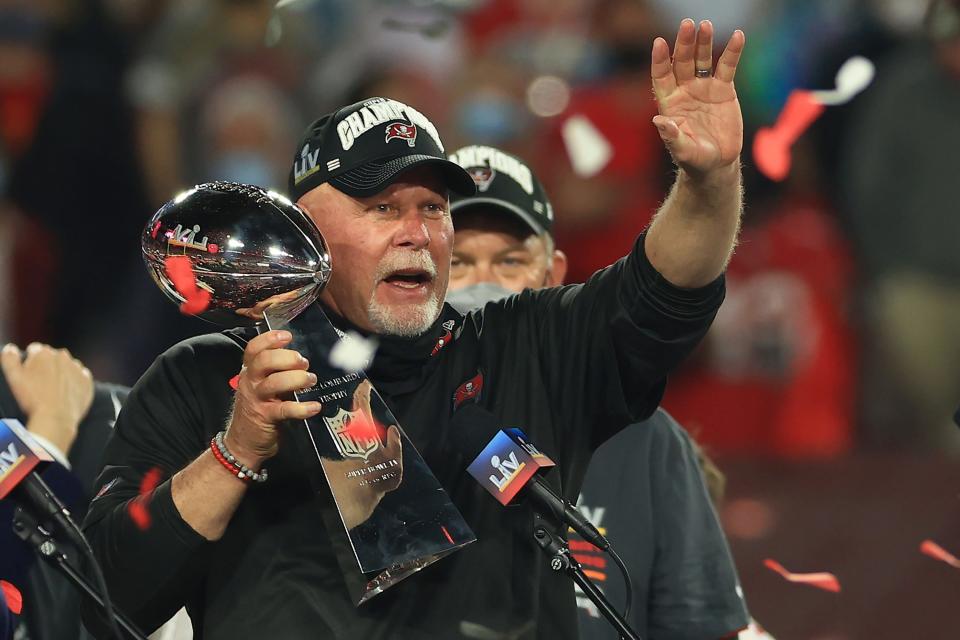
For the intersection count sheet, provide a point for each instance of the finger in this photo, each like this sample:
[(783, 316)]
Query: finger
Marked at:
[(36, 351), (394, 444), (293, 410), (277, 384), (683, 50), (362, 394), (11, 360), (661, 69), (730, 58), (273, 360), (704, 54), (264, 341), (668, 129)]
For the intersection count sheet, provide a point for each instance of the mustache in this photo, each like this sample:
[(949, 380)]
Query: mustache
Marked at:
[(420, 260)]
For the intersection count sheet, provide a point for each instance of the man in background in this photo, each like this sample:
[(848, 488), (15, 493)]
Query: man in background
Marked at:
[(54, 395), (645, 487)]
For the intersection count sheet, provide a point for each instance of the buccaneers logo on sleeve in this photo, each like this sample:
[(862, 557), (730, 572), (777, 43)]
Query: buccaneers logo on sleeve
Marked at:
[(401, 131)]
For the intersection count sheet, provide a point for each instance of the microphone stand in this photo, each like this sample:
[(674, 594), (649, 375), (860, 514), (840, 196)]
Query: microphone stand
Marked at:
[(561, 560), (28, 530)]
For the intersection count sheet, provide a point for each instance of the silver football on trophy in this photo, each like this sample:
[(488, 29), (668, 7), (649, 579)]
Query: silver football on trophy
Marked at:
[(248, 248)]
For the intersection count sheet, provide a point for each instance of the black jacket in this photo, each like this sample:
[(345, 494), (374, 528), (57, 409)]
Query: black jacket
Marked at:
[(569, 365)]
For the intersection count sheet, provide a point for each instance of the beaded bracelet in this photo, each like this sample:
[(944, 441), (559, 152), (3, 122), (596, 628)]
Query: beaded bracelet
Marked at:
[(230, 462)]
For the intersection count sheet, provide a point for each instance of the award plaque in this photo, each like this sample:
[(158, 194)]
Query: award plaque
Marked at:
[(260, 261)]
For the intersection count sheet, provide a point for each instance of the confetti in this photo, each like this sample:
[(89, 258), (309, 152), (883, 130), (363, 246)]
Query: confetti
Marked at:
[(935, 551), (137, 508), (854, 76), (823, 580), (362, 427), (353, 352), (771, 145), (12, 596), (589, 151), (180, 271)]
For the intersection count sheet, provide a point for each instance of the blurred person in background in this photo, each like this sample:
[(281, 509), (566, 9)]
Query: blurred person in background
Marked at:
[(645, 486), (196, 55), (246, 125), (409, 45), (28, 256), (776, 374), (540, 37), (55, 397), (601, 160), (899, 171), (76, 177)]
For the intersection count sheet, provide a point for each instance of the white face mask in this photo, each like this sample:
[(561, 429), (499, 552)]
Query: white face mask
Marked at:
[(476, 295)]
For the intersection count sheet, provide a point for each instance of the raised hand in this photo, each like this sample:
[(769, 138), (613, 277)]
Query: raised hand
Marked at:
[(52, 388), (700, 120)]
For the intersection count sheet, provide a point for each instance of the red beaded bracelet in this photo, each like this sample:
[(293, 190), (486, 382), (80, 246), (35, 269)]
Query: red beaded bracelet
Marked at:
[(231, 464)]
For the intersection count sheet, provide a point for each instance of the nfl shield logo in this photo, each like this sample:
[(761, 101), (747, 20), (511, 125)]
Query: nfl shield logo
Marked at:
[(348, 443)]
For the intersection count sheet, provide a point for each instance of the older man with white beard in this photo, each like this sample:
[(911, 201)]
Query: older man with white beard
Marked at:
[(569, 365)]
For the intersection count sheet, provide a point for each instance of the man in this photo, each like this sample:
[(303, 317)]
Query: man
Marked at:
[(572, 366), (54, 395), (644, 485)]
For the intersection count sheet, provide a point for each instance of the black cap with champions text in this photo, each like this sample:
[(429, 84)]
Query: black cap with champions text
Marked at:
[(360, 149), (505, 183)]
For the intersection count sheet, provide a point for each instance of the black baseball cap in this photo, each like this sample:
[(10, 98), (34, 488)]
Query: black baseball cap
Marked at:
[(505, 183), (359, 149)]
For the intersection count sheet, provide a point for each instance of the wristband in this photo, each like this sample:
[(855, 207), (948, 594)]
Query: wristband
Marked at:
[(231, 464)]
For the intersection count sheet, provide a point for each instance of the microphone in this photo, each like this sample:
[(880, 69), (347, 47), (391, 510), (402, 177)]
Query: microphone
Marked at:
[(507, 466), (21, 458)]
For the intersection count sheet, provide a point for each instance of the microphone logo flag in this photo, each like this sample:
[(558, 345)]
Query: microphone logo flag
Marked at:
[(18, 455), (506, 464)]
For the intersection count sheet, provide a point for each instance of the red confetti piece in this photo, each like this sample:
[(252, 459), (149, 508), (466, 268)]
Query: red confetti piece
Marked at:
[(12, 596), (180, 271), (137, 508), (363, 427), (935, 551), (446, 533), (823, 580), (234, 382), (156, 227), (213, 248), (771, 145)]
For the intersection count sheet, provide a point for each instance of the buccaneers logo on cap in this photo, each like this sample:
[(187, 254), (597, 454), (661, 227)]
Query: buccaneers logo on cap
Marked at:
[(401, 131), (482, 176)]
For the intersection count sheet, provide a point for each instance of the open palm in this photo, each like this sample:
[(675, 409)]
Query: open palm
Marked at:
[(700, 120)]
